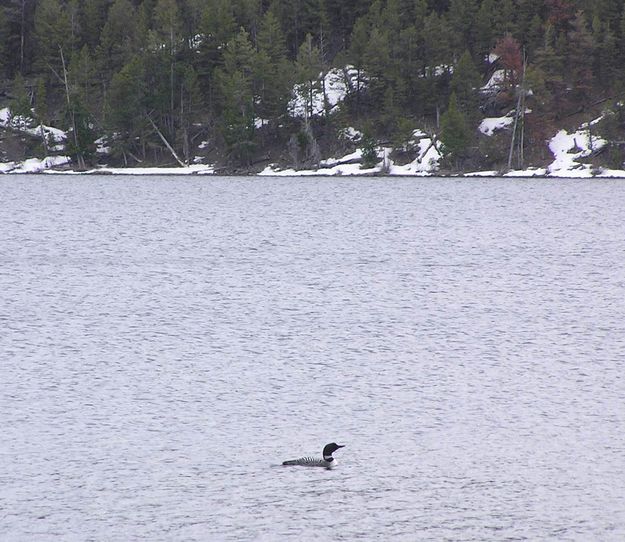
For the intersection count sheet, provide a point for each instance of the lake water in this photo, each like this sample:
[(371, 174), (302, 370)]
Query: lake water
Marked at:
[(166, 342)]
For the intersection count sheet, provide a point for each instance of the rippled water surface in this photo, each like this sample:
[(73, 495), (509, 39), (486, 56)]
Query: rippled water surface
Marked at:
[(166, 342)]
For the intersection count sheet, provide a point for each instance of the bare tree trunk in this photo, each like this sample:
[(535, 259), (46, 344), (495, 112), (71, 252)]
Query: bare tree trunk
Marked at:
[(79, 157), (164, 140)]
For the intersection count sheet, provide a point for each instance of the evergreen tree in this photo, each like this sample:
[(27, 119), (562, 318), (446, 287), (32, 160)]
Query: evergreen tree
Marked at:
[(4, 37), (607, 63), (217, 27), (128, 97), (82, 75), (167, 41), (236, 80), (581, 48), (272, 70), (19, 18), (551, 62), (119, 41), (455, 133), (20, 104), (504, 18), (463, 15), (53, 35), (92, 19), (377, 59), (342, 17), (465, 85), (485, 29), (308, 69), (358, 50)]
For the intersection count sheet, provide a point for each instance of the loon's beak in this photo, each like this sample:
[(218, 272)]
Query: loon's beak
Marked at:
[(340, 446)]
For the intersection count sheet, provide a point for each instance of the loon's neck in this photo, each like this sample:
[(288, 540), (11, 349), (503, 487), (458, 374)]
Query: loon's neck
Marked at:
[(328, 458)]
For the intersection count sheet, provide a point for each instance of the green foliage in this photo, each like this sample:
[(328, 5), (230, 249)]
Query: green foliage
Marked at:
[(119, 40), (235, 82), (20, 103), (52, 34), (80, 144), (4, 37), (369, 151), (127, 99), (465, 84), (273, 71), (455, 133)]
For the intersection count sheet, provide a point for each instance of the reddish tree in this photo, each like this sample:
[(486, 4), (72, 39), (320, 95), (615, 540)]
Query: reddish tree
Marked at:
[(509, 52)]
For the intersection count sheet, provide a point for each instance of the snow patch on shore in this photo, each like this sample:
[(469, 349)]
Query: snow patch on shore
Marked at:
[(567, 148), (34, 165), (55, 138), (426, 163), (195, 169)]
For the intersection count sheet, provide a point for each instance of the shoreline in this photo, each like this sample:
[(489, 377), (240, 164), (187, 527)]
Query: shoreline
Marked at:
[(207, 172)]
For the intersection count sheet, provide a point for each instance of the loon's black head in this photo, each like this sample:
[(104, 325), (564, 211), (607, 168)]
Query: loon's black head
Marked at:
[(329, 449)]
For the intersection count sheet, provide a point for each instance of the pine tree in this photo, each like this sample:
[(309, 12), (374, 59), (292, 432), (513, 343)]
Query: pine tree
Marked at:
[(272, 70), (19, 16), (235, 81), (358, 50), (342, 17), (504, 18), (607, 63), (4, 37), (127, 101), (217, 27), (551, 63), (455, 133), (119, 41), (484, 28), (308, 69), (581, 49), (92, 19), (82, 75), (167, 37), (463, 15), (465, 84), (377, 59), (53, 35)]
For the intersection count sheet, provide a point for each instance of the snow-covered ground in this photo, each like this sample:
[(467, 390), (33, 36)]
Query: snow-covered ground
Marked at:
[(337, 83), (195, 169), (425, 163), (34, 165), (55, 138), (490, 125)]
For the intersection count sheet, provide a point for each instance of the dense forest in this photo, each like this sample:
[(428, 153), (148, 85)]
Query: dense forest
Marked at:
[(159, 77)]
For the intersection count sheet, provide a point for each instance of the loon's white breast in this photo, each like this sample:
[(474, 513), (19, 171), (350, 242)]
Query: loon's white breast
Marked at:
[(327, 462)]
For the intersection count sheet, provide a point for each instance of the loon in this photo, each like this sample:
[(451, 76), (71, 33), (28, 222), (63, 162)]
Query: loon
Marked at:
[(328, 461)]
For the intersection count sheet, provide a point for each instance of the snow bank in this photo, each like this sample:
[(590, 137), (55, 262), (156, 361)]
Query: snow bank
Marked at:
[(489, 125), (338, 83), (34, 165), (55, 138), (567, 148), (428, 158), (426, 163), (196, 169), (495, 81)]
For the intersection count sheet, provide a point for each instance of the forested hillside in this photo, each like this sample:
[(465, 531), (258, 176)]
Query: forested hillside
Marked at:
[(166, 80)]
